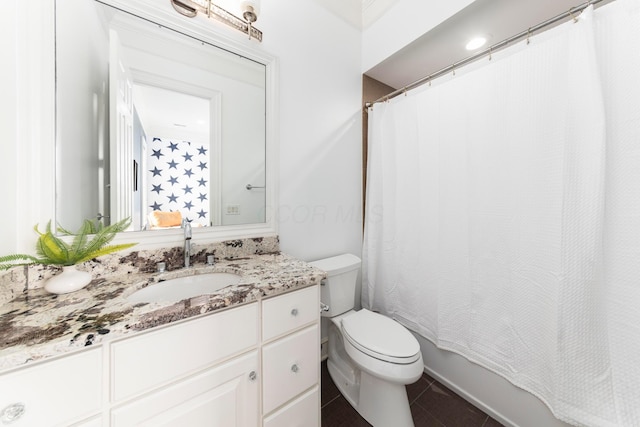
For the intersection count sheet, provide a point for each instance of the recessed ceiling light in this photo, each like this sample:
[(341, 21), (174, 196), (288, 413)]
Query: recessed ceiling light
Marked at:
[(476, 43)]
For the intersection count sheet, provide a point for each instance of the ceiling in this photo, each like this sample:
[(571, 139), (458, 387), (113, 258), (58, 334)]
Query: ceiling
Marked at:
[(444, 44), (170, 113)]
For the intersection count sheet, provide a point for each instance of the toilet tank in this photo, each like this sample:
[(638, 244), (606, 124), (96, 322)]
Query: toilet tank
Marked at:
[(338, 291)]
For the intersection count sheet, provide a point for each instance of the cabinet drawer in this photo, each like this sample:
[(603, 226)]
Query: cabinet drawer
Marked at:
[(290, 366), (224, 396), (302, 412), (289, 311), (156, 358), (55, 393)]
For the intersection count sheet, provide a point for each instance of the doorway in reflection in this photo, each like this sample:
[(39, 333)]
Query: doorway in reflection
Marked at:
[(172, 135)]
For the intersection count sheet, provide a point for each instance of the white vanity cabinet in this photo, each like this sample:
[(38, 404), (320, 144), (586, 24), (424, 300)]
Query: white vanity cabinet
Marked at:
[(252, 365)]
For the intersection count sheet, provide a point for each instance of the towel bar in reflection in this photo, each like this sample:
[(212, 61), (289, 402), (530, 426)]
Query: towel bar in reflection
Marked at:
[(251, 187)]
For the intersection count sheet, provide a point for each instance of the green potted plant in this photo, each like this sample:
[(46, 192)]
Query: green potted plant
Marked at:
[(89, 242)]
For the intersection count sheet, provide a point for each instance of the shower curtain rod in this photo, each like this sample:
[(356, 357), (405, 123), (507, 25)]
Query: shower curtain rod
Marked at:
[(491, 49)]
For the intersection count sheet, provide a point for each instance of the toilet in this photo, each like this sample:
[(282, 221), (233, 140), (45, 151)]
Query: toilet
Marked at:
[(371, 357)]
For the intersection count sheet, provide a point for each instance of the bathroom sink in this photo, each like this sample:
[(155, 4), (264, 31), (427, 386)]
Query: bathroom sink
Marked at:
[(180, 288)]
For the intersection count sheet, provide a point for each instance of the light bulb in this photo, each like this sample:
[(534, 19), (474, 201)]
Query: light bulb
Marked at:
[(476, 43)]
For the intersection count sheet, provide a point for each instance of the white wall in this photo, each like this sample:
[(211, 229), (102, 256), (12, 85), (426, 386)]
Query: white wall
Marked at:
[(320, 127), (8, 122), (82, 74), (243, 153), (403, 23), (27, 188)]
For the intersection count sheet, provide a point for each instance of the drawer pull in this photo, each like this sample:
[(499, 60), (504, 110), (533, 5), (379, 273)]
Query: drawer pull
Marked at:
[(294, 368), (294, 312), (253, 376), (323, 307), (12, 412)]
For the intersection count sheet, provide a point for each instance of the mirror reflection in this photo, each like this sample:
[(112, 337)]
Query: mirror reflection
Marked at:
[(154, 125), (174, 167)]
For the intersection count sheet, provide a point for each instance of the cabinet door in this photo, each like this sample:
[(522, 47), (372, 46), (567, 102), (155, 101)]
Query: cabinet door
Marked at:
[(291, 366), (56, 392), (302, 412), (224, 396)]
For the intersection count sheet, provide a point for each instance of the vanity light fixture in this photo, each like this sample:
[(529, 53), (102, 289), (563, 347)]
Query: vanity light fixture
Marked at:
[(250, 10)]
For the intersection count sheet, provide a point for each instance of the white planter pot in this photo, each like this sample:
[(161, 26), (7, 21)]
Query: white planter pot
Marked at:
[(69, 280)]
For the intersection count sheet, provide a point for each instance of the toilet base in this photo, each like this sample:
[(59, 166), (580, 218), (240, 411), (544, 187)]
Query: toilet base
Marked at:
[(379, 402), (383, 403), (348, 383)]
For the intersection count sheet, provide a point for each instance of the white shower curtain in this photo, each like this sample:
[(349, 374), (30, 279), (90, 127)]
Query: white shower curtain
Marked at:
[(503, 215)]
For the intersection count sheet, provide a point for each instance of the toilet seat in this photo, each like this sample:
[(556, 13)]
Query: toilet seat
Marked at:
[(380, 337)]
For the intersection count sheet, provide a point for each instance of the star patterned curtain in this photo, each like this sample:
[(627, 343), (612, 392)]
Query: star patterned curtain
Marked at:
[(178, 178)]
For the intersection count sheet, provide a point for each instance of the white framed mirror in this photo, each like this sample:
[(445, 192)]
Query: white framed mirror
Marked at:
[(161, 119)]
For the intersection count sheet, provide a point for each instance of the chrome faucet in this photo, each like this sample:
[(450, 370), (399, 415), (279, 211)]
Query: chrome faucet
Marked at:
[(187, 242)]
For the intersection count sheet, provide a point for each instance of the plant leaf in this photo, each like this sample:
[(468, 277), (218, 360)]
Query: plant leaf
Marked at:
[(51, 248), (77, 249), (9, 261), (106, 235), (105, 251)]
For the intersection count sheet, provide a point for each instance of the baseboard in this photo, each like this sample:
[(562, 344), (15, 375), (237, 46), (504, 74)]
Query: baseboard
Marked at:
[(471, 399)]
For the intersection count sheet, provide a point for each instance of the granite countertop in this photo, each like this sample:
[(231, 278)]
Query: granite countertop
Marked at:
[(35, 325)]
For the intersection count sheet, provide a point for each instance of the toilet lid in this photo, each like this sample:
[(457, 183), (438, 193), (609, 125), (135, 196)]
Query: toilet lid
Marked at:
[(380, 337)]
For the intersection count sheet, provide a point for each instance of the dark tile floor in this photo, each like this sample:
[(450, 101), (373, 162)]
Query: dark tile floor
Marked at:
[(432, 405)]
